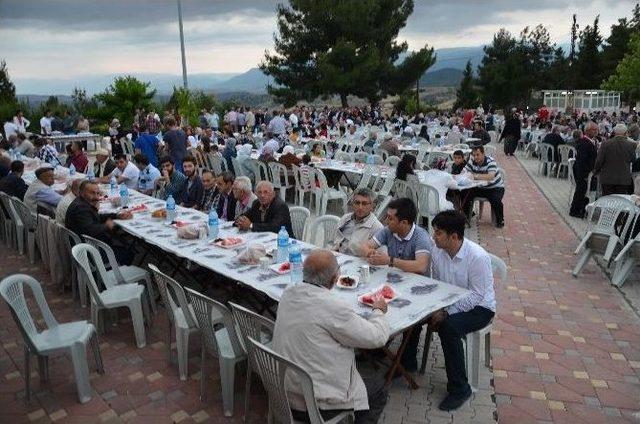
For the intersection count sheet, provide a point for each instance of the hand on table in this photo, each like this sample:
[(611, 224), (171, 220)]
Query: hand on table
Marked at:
[(125, 215), (378, 258), (243, 223)]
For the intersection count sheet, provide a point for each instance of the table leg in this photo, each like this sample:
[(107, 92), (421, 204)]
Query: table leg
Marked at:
[(395, 361)]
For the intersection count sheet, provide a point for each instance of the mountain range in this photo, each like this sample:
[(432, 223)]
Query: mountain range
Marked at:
[(447, 71)]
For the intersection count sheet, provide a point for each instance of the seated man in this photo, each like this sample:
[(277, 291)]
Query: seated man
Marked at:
[(268, 213), (192, 190), (125, 172), (171, 182), (458, 163), (67, 199), (41, 191), (210, 193), (319, 332), (103, 165), (13, 184), (359, 226), (82, 218), (46, 152), (408, 246), (463, 263), (243, 195), (226, 203), (484, 168), (480, 133), (79, 158), (148, 174), (25, 146)]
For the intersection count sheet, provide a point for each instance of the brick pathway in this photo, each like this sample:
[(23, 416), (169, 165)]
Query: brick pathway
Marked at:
[(564, 349)]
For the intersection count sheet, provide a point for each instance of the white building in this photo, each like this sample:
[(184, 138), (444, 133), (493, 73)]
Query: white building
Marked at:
[(582, 100)]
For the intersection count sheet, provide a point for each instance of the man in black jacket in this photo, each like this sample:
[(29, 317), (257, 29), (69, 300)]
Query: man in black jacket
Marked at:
[(268, 213), (586, 152), (13, 184), (83, 219), (511, 133), (193, 189)]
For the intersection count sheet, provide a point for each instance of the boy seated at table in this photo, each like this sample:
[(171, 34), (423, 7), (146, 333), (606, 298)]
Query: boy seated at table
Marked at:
[(458, 163)]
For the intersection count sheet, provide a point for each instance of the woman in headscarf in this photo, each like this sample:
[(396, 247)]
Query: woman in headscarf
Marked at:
[(268, 151), (289, 157), (230, 152), (244, 159)]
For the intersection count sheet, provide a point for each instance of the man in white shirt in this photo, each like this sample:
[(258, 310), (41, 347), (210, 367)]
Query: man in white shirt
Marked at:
[(125, 172), (21, 122), (277, 125), (10, 129), (319, 332), (148, 174), (293, 119), (45, 123), (359, 226), (63, 204), (463, 263)]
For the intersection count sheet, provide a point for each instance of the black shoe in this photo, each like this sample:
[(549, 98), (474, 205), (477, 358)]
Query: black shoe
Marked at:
[(453, 402), (500, 224), (577, 215)]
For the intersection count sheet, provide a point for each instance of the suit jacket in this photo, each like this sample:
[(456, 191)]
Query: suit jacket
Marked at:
[(511, 128), (614, 160), (276, 216), (102, 169), (231, 206), (191, 196), (586, 152), (83, 218), (13, 186)]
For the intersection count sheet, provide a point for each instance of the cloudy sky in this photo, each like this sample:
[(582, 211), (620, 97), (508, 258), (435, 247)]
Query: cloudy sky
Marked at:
[(64, 39)]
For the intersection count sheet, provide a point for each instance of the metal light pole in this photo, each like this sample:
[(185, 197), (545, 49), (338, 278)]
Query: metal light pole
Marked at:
[(184, 60)]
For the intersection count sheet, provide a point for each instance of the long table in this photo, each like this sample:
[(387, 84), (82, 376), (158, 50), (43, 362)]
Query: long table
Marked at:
[(60, 141)]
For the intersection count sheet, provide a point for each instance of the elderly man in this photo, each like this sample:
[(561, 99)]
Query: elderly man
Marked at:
[(40, 191), (268, 213), (319, 332), (125, 172), (613, 163), (192, 190), (172, 181), (148, 174), (463, 263), (390, 145), (408, 246), (210, 193), (13, 184), (243, 195), (586, 152), (103, 165), (46, 152), (82, 218), (67, 199), (359, 226), (484, 168)]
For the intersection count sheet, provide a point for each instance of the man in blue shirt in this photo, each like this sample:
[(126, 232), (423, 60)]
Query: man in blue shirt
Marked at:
[(148, 174), (147, 144)]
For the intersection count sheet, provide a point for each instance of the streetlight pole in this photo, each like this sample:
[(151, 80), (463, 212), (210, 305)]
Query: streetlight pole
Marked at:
[(184, 60)]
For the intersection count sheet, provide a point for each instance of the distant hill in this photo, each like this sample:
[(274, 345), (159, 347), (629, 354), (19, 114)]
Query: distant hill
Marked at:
[(445, 77), (252, 81)]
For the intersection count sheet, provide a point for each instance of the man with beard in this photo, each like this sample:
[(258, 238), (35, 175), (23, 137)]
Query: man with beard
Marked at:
[(193, 189), (172, 181)]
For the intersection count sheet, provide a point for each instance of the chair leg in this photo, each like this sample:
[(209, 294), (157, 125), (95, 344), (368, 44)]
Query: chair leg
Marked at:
[(425, 352), (182, 346), (202, 357), (227, 377), (20, 239), (170, 330), (95, 346), (473, 359), (151, 294), (82, 289), (623, 270), (582, 261), (81, 371), (135, 307), (247, 391), (27, 373), (42, 368), (487, 349)]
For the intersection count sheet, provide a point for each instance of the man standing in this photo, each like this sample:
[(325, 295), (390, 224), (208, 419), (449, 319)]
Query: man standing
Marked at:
[(484, 168), (148, 174), (103, 165), (277, 125), (214, 120), (243, 195), (226, 203), (147, 144), (586, 152), (463, 263), (172, 180), (41, 191), (176, 141), (13, 184), (613, 163), (251, 121), (125, 172), (358, 227), (320, 333), (268, 213), (511, 133), (193, 189), (21, 122), (210, 193)]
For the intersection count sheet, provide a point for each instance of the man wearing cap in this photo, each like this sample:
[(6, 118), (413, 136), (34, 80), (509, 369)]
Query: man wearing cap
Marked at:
[(613, 163), (103, 164), (40, 191)]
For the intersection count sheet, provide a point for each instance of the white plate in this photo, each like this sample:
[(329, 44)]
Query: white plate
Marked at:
[(276, 268), (342, 286), (233, 246), (377, 290)]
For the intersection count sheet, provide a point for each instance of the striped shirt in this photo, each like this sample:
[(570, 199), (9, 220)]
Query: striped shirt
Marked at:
[(489, 165)]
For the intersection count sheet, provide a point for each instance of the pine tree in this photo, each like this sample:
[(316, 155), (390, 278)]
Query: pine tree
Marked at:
[(467, 95), (8, 101), (588, 69), (343, 47)]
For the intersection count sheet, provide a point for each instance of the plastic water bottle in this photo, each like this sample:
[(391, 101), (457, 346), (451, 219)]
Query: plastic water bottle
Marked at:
[(72, 169), (113, 186), (171, 209), (213, 224), (295, 259), (90, 174), (283, 245), (124, 195)]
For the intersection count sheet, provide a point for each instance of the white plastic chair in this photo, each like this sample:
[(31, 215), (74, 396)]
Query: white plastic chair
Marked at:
[(43, 240), (490, 150), (114, 296), (626, 261), (257, 327), (382, 185), (237, 168), (472, 340), (19, 226), (273, 368), (572, 179), (565, 152), (299, 217), (123, 274), (600, 236), (260, 170), (326, 194), (8, 224), (545, 165), (303, 184), (222, 343), (71, 338), (323, 227), (180, 315), (67, 239), (280, 179), (381, 208), (428, 202), (392, 161)]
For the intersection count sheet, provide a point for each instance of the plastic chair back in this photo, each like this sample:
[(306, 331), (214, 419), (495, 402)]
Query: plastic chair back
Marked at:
[(498, 267), (237, 168), (83, 253), (610, 207), (326, 227), (428, 200), (490, 150), (392, 161), (27, 217), (105, 249), (299, 217), (279, 175), (251, 325)]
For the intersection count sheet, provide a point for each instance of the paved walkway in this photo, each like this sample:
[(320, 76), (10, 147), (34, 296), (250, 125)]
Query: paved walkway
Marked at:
[(564, 349)]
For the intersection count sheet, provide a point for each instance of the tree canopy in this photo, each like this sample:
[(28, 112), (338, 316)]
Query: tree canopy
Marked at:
[(343, 47), (124, 96), (627, 75), (467, 96)]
